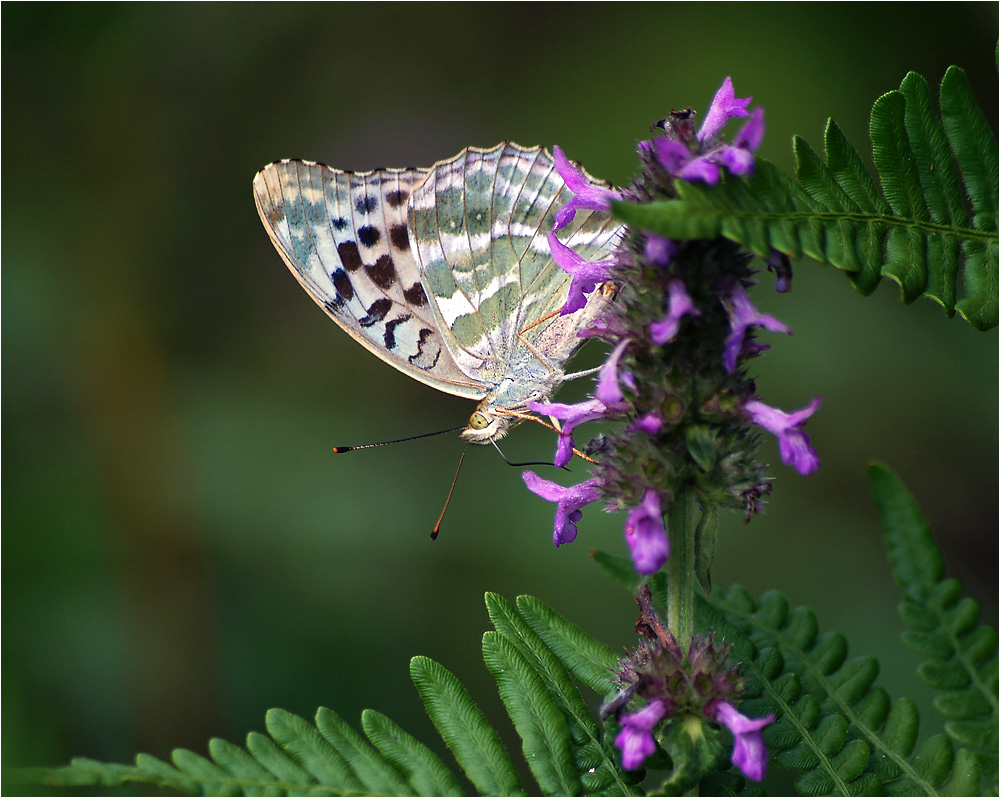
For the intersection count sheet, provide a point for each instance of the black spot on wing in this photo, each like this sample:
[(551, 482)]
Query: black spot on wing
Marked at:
[(366, 203), (422, 337), (368, 235), (339, 223), (376, 312), (383, 273), (389, 337), (415, 295), (350, 256), (345, 289), (397, 235), (396, 198)]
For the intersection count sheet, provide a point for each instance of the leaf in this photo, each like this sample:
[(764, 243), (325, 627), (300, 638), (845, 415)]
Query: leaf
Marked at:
[(474, 743), (587, 659), (540, 724), (960, 654), (935, 216), (425, 772), (596, 759), (833, 723)]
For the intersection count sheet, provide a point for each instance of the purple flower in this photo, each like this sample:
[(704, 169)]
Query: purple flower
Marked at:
[(749, 751), (659, 249), (608, 390), (650, 423), (635, 740), (742, 314), (704, 161), (572, 416), (646, 535), (587, 275), (724, 106), (678, 305), (588, 196), (779, 263), (569, 502), (792, 441), (609, 402)]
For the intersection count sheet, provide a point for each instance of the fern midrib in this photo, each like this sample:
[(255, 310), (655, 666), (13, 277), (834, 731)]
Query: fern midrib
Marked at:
[(969, 666), (290, 787), (932, 228), (872, 737), (803, 731)]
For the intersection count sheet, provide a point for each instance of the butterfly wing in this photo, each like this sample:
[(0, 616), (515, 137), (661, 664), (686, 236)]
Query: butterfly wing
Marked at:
[(343, 235), (478, 224)]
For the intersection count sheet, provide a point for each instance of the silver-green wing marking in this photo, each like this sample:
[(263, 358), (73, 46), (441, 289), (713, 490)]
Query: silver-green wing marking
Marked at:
[(344, 237), (478, 225)]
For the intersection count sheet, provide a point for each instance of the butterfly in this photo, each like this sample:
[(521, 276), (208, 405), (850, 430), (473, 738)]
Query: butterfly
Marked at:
[(445, 273)]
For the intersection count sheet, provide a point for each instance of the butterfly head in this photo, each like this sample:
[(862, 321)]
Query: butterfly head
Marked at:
[(487, 425)]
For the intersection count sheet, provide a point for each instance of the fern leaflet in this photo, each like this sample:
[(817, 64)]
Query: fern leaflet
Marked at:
[(917, 230)]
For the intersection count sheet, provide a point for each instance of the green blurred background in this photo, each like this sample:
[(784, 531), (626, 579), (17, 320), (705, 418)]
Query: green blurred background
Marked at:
[(182, 551)]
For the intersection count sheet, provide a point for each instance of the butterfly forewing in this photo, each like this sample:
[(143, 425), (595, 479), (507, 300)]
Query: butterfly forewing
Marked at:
[(344, 237)]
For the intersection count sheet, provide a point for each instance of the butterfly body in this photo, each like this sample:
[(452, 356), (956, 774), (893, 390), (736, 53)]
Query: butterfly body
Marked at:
[(444, 272)]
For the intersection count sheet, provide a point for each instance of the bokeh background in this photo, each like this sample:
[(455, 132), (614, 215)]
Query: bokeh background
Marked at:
[(181, 549)]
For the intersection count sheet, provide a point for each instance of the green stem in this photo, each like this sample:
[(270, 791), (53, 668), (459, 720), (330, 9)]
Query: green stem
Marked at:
[(682, 523)]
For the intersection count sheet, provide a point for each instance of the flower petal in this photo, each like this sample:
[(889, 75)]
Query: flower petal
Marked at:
[(569, 502), (635, 740), (749, 751), (646, 535), (793, 443), (725, 106)]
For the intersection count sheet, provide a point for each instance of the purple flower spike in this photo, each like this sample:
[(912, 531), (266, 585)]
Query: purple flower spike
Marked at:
[(569, 502), (742, 314), (646, 535), (793, 443), (572, 415), (636, 737), (587, 275), (678, 304), (725, 106), (588, 196), (749, 751)]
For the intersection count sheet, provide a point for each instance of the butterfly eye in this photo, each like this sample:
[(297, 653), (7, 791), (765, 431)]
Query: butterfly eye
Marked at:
[(478, 421)]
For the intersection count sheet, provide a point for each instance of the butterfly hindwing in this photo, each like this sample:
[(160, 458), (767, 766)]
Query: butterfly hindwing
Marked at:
[(478, 223), (344, 237)]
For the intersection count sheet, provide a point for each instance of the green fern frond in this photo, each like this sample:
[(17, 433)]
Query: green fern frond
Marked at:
[(473, 742), (917, 230), (531, 655), (833, 723), (960, 654), (595, 761)]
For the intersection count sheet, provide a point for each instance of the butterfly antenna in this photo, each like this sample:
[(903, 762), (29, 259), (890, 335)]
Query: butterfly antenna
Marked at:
[(342, 449), (451, 490)]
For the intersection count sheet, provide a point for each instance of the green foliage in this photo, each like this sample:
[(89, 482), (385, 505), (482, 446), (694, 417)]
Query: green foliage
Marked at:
[(533, 654), (960, 654), (917, 230), (833, 724)]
